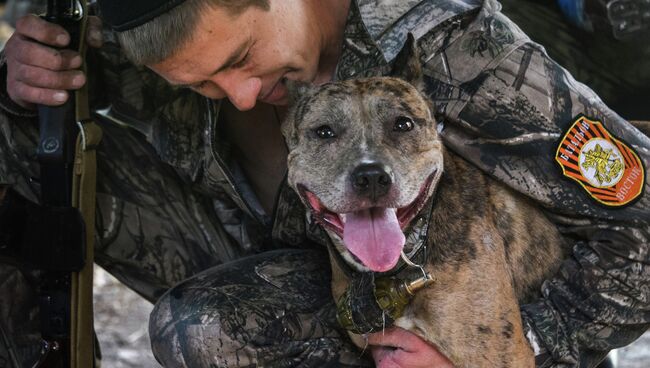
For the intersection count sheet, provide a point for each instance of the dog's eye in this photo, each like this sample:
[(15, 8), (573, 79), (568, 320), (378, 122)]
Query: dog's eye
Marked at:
[(325, 132), (403, 124)]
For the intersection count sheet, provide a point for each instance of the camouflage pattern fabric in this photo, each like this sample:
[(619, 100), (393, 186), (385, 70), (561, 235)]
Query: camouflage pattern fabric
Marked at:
[(270, 310), (172, 201), (19, 334)]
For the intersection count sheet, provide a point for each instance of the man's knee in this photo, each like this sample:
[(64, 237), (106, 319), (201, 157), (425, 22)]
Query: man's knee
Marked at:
[(271, 309), (223, 314)]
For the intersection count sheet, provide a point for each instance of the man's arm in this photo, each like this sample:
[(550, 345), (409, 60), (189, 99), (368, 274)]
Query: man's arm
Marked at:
[(506, 106), (18, 135), (596, 303)]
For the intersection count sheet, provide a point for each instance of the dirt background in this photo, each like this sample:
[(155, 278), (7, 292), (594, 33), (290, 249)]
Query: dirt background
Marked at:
[(121, 318), (121, 322)]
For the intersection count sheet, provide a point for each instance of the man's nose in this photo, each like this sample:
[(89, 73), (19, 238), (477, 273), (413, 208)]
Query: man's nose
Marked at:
[(242, 92)]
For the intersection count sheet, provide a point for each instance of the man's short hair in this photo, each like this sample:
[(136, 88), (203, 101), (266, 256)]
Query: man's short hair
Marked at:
[(159, 38)]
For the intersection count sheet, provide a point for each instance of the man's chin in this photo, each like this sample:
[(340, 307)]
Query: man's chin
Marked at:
[(284, 101), (278, 95)]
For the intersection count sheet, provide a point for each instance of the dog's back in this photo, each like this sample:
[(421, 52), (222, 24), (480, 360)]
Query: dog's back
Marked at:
[(490, 249), (533, 247)]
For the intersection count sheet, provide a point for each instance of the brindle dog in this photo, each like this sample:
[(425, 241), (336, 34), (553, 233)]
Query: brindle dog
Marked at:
[(365, 157)]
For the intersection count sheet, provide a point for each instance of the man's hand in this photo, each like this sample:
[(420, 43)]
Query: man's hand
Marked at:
[(39, 71), (398, 348)]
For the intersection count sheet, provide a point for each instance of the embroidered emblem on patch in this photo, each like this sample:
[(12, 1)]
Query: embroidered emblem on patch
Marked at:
[(604, 166)]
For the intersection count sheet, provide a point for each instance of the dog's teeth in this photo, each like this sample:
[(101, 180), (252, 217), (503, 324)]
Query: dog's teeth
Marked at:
[(342, 216)]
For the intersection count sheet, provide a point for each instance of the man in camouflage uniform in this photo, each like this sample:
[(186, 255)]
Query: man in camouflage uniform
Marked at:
[(175, 203)]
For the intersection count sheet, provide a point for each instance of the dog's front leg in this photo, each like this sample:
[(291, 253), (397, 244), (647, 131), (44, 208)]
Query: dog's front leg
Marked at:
[(471, 313)]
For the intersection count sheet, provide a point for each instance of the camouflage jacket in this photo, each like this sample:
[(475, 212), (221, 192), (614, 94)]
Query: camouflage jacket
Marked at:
[(501, 103)]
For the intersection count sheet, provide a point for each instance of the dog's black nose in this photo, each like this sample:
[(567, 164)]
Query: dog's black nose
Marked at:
[(372, 180)]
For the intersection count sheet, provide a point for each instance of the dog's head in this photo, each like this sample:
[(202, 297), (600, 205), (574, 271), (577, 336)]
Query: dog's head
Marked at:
[(364, 157)]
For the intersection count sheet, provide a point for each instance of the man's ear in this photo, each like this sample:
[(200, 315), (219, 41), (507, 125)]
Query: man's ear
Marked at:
[(296, 89), (407, 64)]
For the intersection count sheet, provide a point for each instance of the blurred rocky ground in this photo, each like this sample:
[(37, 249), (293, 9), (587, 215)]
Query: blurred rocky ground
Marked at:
[(121, 319), (636, 355)]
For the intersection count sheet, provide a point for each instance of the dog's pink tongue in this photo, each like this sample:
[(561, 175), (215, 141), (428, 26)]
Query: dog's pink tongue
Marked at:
[(374, 236)]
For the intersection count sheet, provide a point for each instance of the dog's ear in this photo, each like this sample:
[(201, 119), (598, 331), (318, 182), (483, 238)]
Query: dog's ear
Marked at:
[(289, 131), (296, 90), (407, 64)]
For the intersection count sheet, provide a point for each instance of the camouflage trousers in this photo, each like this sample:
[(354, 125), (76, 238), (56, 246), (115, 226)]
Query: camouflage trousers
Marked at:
[(270, 310), (154, 230)]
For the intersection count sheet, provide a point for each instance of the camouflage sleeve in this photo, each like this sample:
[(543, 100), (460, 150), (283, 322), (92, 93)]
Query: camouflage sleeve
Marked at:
[(17, 137), (7, 105), (515, 113)]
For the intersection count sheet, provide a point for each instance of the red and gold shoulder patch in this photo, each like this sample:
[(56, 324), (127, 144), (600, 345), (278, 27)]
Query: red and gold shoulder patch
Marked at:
[(609, 170)]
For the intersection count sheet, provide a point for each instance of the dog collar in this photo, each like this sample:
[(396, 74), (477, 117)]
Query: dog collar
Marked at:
[(371, 304)]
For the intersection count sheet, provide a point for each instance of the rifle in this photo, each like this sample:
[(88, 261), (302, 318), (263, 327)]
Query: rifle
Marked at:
[(51, 236)]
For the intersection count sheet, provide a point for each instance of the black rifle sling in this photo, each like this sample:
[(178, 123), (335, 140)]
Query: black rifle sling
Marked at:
[(63, 153)]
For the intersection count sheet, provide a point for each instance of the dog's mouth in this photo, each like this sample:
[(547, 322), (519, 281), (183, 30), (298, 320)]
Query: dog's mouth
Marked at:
[(373, 235)]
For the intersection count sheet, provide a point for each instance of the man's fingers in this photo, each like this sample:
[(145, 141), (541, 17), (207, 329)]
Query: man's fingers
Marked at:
[(44, 78), (397, 338), (39, 67), (42, 31), (426, 358), (33, 54), (396, 347), (381, 355), (35, 95), (94, 32)]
